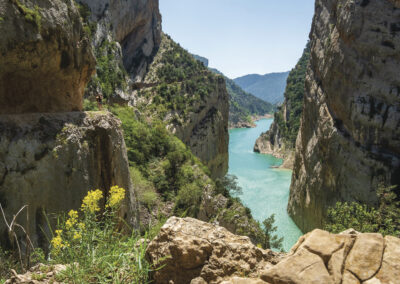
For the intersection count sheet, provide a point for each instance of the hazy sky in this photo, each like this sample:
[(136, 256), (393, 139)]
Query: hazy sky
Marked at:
[(241, 37)]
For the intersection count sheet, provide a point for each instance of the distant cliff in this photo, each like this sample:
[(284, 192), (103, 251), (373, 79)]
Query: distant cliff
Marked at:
[(349, 140), (280, 139)]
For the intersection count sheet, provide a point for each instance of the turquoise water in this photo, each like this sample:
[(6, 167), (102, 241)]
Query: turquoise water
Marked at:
[(265, 189)]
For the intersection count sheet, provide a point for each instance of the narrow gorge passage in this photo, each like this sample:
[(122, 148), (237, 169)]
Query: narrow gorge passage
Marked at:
[(265, 189)]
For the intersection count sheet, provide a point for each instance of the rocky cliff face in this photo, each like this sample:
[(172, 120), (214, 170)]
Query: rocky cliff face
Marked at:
[(280, 139), (192, 100), (42, 41), (272, 143), (199, 253), (135, 25), (349, 139), (51, 161)]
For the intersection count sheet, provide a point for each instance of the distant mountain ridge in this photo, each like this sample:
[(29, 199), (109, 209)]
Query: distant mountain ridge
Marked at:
[(242, 105), (269, 87)]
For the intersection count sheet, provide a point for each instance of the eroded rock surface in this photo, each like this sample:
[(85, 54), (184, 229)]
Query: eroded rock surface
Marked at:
[(349, 140), (134, 24), (205, 253), (199, 253), (42, 41), (51, 161)]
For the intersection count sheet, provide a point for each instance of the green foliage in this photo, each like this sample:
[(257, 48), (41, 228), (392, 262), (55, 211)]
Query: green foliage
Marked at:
[(271, 240), (294, 94), (228, 186), (162, 164), (94, 248), (243, 105), (31, 15), (7, 262), (111, 75), (384, 219), (84, 11)]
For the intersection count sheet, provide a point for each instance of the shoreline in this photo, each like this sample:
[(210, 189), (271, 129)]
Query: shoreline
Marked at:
[(254, 119)]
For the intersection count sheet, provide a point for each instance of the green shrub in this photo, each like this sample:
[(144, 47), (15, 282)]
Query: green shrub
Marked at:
[(384, 219)]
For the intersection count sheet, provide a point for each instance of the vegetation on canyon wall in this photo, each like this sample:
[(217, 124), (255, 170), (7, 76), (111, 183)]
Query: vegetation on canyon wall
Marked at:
[(383, 219), (288, 116)]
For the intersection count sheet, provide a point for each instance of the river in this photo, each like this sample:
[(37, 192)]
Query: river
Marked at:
[(265, 189)]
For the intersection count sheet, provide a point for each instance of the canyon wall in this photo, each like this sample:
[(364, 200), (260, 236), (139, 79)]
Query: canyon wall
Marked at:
[(50, 157), (42, 41), (280, 139), (349, 139)]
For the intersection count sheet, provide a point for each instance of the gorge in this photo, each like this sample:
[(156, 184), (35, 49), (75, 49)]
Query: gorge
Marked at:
[(116, 142)]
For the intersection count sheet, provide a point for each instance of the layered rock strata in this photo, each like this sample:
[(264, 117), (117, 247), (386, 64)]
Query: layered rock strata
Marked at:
[(50, 161), (349, 140), (42, 41), (197, 253)]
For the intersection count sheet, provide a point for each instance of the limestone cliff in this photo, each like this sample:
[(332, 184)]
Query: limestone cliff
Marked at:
[(349, 138), (135, 25), (190, 251), (51, 157), (192, 100), (45, 56), (51, 161), (280, 139)]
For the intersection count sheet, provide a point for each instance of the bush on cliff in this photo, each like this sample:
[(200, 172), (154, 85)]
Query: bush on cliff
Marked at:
[(383, 219)]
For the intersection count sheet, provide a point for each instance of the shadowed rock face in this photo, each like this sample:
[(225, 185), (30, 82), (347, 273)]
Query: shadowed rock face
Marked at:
[(135, 24), (45, 57), (349, 139), (51, 161)]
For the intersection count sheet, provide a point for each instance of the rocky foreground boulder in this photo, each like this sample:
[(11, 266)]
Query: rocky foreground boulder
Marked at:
[(50, 161), (191, 251)]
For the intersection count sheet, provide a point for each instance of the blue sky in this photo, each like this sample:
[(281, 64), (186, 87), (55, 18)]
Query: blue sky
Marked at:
[(241, 37)]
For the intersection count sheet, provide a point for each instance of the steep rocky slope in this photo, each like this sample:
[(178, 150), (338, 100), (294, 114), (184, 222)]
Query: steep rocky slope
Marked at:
[(42, 41), (191, 100), (198, 252), (50, 161), (268, 87), (135, 25), (280, 139), (349, 138)]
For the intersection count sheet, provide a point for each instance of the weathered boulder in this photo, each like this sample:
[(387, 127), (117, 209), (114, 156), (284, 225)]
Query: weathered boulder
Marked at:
[(196, 252), (42, 41), (51, 161), (189, 249), (349, 139)]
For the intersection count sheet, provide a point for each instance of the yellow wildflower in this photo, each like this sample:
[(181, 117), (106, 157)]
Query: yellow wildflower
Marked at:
[(57, 243), (81, 226), (117, 194), (58, 232), (73, 219), (91, 201), (77, 236)]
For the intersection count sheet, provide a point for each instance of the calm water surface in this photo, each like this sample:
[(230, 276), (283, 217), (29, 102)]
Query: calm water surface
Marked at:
[(265, 189)]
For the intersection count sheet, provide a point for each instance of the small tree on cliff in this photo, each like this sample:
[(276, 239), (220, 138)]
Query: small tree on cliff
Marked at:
[(271, 240)]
